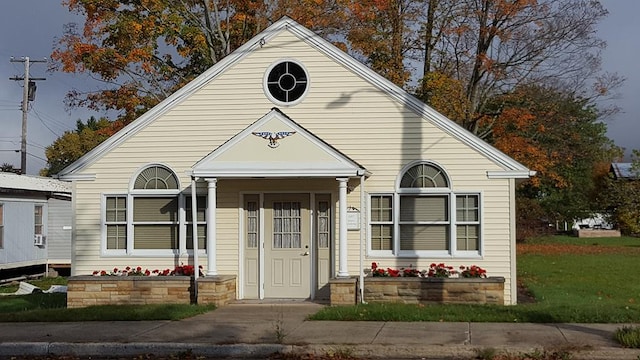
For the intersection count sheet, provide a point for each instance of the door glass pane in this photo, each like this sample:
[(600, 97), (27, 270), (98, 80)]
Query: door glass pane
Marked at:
[(287, 225), (323, 224), (252, 224)]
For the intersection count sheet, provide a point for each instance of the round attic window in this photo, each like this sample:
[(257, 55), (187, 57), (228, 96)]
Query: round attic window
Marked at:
[(286, 82)]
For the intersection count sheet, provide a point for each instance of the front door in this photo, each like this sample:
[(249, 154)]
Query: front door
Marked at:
[(287, 244)]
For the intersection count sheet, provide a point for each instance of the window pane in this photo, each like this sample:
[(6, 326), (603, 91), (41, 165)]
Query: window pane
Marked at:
[(424, 237), (155, 209), (424, 176), (202, 208), (287, 225), (252, 218), (467, 208), (323, 224), (467, 237), (116, 237), (116, 210), (424, 208), (381, 208), (37, 219), (155, 236), (381, 238), (202, 237), (155, 178)]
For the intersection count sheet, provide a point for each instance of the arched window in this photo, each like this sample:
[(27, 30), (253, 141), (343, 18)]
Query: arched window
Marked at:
[(424, 176), (156, 178), (423, 215)]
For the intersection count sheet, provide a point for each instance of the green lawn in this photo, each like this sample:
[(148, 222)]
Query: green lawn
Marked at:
[(573, 280), (53, 307)]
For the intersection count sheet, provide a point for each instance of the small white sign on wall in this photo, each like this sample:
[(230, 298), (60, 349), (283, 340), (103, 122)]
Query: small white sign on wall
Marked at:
[(353, 219)]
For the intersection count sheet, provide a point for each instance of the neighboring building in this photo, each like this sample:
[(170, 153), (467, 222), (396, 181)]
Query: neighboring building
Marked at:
[(35, 225), (624, 171), (307, 165)]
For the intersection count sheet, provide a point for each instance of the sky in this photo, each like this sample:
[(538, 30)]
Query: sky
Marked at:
[(30, 27)]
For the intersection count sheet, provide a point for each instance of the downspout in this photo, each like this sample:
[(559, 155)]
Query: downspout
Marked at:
[(194, 236), (362, 238)]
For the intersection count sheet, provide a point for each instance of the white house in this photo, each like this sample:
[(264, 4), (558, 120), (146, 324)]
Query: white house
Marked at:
[(35, 225), (307, 166)]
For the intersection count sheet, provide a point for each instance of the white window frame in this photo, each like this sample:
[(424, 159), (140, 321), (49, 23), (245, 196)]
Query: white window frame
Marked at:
[(105, 223), (382, 253), (133, 194), (452, 222), (35, 223)]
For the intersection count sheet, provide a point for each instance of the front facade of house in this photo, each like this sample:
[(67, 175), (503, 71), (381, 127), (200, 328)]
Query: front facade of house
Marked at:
[(35, 224), (306, 166)]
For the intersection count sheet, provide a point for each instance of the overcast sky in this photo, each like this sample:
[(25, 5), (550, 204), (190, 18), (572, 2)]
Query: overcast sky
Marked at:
[(29, 28)]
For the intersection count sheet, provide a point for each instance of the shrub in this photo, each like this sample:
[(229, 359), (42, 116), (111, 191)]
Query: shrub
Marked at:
[(628, 336)]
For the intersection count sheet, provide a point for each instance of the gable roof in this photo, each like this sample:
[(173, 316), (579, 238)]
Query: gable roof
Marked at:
[(11, 181), (257, 151), (624, 171), (513, 169)]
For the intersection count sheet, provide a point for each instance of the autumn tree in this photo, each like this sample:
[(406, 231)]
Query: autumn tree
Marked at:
[(73, 144), (557, 134), (145, 50), (492, 46)]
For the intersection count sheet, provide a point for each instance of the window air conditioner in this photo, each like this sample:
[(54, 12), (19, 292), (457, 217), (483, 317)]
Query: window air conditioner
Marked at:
[(39, 240)]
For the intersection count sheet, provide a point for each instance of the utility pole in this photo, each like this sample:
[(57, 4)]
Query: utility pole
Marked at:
[(28, 94)]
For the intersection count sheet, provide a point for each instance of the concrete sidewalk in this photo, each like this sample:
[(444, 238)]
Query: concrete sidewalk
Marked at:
[(253, 330)]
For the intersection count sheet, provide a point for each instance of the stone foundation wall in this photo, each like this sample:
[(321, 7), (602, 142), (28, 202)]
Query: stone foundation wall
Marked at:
[(83, 291), (595, 233), (420, 290)]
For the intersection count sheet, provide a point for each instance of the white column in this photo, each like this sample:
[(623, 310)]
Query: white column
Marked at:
[(342, 234), (211, 227)]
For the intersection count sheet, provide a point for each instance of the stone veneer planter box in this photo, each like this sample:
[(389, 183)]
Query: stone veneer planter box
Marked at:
[(419, 290), (83, 291)]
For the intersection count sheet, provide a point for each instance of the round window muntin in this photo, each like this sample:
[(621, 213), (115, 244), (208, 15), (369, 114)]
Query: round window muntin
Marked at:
[(289, 87)]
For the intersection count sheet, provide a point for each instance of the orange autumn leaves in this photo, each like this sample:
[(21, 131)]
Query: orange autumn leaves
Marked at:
[(573, 249)]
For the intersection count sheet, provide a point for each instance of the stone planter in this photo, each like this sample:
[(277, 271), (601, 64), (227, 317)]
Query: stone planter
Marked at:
[(410, 290), (83, 291)]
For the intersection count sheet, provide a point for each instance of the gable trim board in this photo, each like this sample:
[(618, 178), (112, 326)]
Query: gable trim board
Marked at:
[(513, 169)]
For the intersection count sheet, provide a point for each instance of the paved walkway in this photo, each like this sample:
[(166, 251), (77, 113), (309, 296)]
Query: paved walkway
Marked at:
[(256, 330)]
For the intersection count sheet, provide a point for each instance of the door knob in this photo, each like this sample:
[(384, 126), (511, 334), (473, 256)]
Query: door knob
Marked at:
[(306, 253)]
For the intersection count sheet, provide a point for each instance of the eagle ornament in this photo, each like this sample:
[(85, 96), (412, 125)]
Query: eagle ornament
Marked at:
[(273, 137)]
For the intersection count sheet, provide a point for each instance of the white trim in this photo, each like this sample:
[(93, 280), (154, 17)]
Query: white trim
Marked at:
[(78, 177), (525, 174)]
